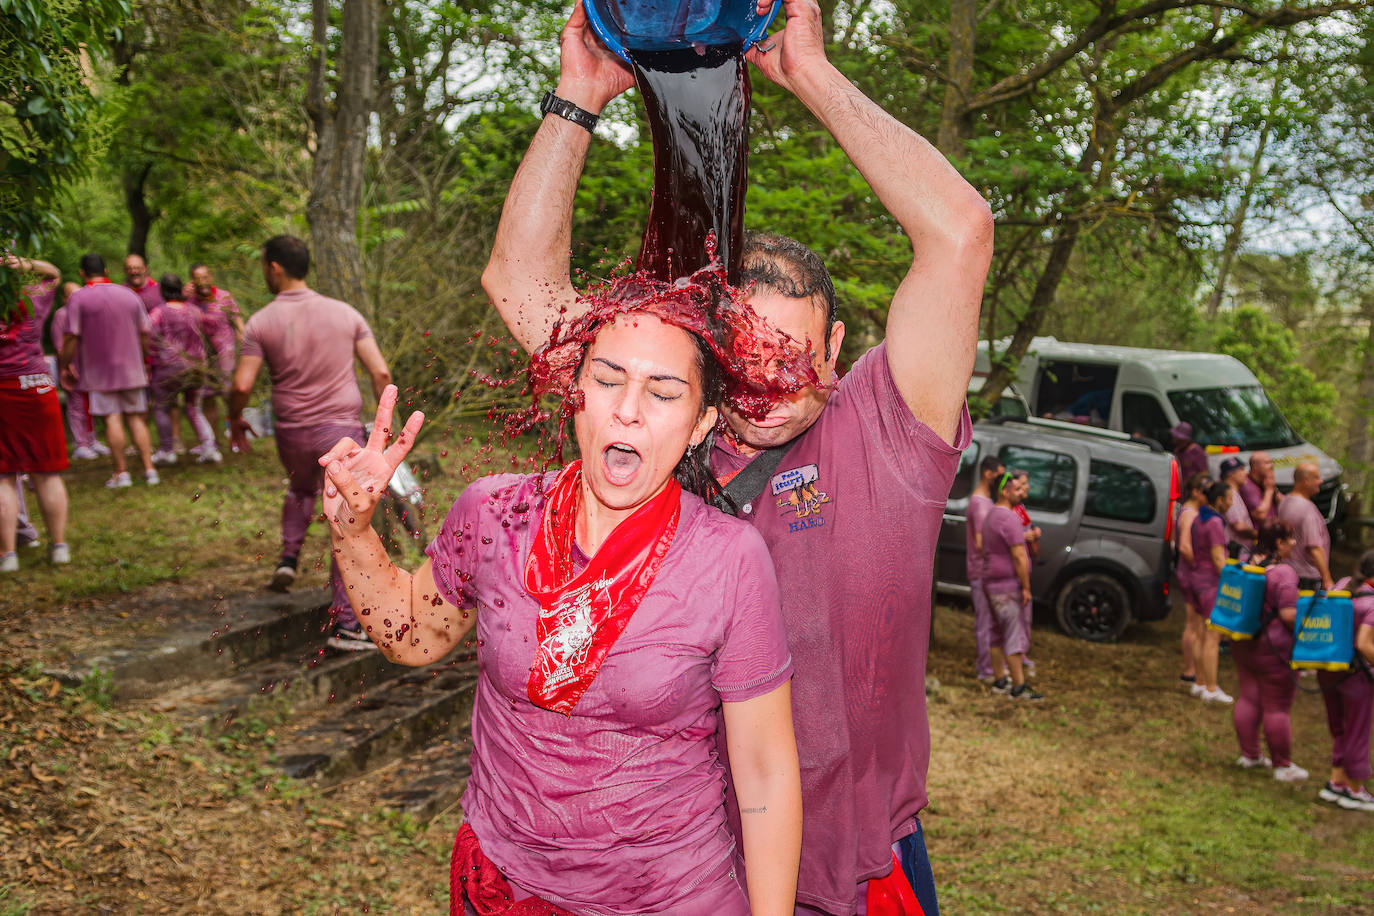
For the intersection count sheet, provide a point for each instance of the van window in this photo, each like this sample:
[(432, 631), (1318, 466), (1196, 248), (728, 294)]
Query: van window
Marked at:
[(1120, 493), (1075, 391), (1240, 415), (1142, 415), (1053, 476), (964, 480)]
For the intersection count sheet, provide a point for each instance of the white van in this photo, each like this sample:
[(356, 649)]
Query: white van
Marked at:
[(1146, 392)]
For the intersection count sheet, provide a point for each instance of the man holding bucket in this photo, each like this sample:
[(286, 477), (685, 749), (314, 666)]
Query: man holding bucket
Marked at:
[(872, 456)]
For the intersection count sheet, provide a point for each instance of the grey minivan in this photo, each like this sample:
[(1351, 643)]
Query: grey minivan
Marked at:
[(1104, 502)]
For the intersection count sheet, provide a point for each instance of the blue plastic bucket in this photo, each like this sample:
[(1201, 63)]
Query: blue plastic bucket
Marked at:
[(663, 25)]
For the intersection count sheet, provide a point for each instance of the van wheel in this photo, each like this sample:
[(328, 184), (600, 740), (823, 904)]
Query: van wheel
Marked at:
[(1093, 606)]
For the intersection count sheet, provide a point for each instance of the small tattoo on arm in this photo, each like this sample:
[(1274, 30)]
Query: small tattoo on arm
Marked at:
[(763, 810)]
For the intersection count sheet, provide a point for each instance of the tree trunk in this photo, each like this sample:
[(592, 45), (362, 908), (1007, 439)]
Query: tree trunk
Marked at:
[(954, 123), (1361, 442), (341, 131), (1236, 232), (136, 202)]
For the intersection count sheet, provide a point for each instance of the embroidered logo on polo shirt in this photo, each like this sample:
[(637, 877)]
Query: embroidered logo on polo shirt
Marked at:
[(798, 489)]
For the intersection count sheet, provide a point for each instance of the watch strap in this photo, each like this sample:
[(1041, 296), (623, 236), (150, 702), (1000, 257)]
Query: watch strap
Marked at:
[(552, 104)]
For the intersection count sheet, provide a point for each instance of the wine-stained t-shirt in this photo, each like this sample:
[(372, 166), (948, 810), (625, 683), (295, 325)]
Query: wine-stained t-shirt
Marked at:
[(308, 341), (1002, 530), (974, 563), (150, 294), (1239, 527), (21, 340), (1309, 530), (851, 519), (1209, 530), (622, 802), (219, 316), (110, 322), (1280, 591), (175, 341)]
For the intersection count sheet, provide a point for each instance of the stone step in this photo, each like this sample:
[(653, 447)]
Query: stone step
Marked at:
[(393, 719), (209, 641), (305, 680), (431, 781)]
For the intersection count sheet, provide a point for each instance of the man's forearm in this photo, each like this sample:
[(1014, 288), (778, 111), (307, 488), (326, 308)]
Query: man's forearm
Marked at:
[(237, 401), (1318, 556)]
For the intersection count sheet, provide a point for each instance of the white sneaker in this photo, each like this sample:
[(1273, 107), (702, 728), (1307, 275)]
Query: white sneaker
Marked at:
[(120, 480), (151, 478), (1216, 696), (1357, 801), (164, 456), (84, 453), (60, 554), (101, 449), (211, 456), (1251, 763), (1197, 690), (1290, 773), (9, 562)]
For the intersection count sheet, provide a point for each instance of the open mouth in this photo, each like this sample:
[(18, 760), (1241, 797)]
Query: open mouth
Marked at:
[(621, 463)]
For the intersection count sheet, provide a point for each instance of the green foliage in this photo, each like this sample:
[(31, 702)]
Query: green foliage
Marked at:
[(1270, 350), (97, 687), (49, 115)]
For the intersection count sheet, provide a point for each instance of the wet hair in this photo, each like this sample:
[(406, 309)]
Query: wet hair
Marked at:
[(1365, 567), (92, 264), (1216, 490), (290, 252), (989, 464), (787, 267), (1267, 541), (1195, 482), (170, 285)]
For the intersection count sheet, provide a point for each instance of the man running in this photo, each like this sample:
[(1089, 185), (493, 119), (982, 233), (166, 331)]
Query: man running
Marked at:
[(222, 324), (852, 514), (144, 286), (309, 343), (107, 337)]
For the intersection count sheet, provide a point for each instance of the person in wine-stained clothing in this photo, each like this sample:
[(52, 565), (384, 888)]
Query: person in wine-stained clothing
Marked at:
[(222, 324), (103, 354), (178, 369), (78, 402), (980, 503), (138, 279), (31, 439), (308, 343), (852, 514)]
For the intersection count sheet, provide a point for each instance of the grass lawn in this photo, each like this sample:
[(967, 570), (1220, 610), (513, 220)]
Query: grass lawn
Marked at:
[(1117, 794)]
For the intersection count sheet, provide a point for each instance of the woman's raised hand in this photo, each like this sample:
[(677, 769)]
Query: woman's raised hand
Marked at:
[(356, 477)]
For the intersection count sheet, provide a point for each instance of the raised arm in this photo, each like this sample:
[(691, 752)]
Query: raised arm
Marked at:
[(33, 265), (764, 770), (527, 276), (932, 326), (403, 612)]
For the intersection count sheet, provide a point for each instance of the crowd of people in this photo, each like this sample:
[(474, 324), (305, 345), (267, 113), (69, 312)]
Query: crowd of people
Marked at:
[(120, 347), (1244, 517), (698, 691)]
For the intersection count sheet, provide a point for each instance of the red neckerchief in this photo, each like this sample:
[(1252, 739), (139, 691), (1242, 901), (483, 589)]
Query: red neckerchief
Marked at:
[(1022, 514), (97, 281), (581, 616), (474, 878)]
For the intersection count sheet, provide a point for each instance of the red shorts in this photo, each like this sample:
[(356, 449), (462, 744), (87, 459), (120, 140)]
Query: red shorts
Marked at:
[(31, 435)]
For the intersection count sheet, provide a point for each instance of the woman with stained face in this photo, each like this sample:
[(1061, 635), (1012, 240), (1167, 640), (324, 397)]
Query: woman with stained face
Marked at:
[(618, 620)]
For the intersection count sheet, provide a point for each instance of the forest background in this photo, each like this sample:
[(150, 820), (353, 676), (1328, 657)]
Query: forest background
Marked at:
[(1195, 174)]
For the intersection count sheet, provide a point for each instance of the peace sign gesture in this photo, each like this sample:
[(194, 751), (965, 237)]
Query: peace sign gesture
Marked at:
[(356, 478)]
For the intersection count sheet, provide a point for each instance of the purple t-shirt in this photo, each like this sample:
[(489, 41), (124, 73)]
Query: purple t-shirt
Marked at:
[(219, 316), (1191, 460), (978, 508), (1209, 530), (308, 343), (622, 802), (175, 339), (851, 519), (150, 294), (1238, 518), (1364, 608), (21, 341), (110, 322), (1280, 591), (1309, 530), (1002, 530)]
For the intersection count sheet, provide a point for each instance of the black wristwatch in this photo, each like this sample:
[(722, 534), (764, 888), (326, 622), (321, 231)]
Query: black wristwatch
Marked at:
[(565, 109)]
